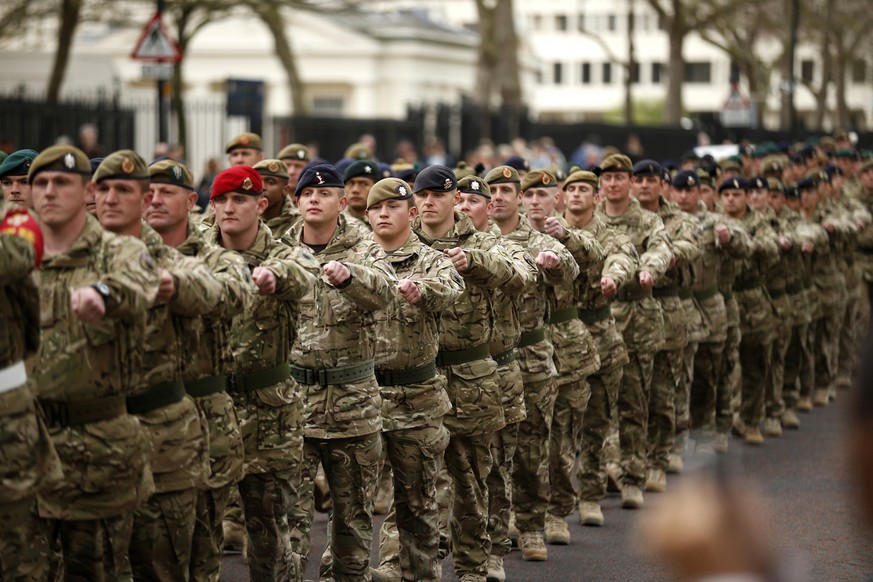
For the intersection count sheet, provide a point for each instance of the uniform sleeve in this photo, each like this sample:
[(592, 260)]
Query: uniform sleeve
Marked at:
[(526, 269), (440, 286), (294, 269), (238, 290), (658, 255), (567, 269), (622, 262), (686, 241), (492, 266), (583, 246), (131, 277), (372, 286), (198, 291), (766, 244), (16, 259), (740, 245)]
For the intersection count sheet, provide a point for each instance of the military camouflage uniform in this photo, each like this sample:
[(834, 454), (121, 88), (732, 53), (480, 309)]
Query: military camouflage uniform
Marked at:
[(269, 404), (865, 246), (207, 360), (640, 320), (407, 339), (84, 373), (288, 215), (358, 221), (343, 418), (29, 459), (620, 263), (465, 360)]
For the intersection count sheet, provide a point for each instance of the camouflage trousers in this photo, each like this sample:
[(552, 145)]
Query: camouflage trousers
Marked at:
[(91, 550), (708, 369), (728, 380), (774, 405), (756, 355), (351, 466), (666, 382), (208, 539), (682, 400), (500, 488), (799, 376), (826, 348), (24, 549), (633, 416), (234, 511), (163, 528), (566, 420), (596, 422), (266, 498), (850, 336), (410, 534), (530, 467)]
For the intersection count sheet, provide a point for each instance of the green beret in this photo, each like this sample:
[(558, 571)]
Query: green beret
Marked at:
[(581, 176), (462, 170), (171, 172), (617, 163), (122, 165), (3, 156), (294, 151), (244, 140), (388, 189), (538, 179), (358, 151), (846, 154), (474, 185), (17, 163), (60, 158), (502, 175), (274, 168), (362, 169)]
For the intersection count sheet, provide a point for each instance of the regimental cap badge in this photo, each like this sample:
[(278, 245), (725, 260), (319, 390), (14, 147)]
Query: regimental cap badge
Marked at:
[(69, 161), (27, 165), (127, 166), (651, 169), (474, 185), (247, 184), (319, 178), (401, 190), (447, 185), (177, 172), (507, 173), (244, 140), (546, 179), (273, 167), (691, 180), (735, 183), (301, 154), (368, 169)]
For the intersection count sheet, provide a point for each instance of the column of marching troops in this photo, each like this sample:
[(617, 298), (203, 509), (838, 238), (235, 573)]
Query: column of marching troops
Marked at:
[(474, 339)]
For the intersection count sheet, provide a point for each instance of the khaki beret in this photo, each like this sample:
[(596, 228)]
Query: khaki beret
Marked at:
[(616, 163), (388, 189), (244, 140), (538, 179), (503, 175), (294, 151), (60, 158), (774, 185), (474, 185), (772, 163), (122, 165), (581, 176), (275, 168), (462, 170), (171, 172), (358, 151)]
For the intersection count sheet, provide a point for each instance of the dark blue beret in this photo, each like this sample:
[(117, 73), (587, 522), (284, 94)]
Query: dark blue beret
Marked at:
[(322, 175)]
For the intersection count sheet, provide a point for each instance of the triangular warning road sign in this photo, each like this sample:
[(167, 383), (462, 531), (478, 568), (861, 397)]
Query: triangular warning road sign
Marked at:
[(155, 43)]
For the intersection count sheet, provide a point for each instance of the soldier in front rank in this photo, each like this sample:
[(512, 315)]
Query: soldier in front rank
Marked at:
[(358, 178), (163, 527), (95, 289), (667, 382), (414, 398), (30, 461), (332, 360), (530, 466), (281, 212), (295, 156), (757, 316), (464, 358), (13, 178), (638, 317), (206, 356), (268, 401), (244, 150), (596, 286)]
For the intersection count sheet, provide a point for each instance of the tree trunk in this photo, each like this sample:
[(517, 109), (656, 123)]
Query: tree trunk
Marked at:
[(486, 66), (271, 15), (69, 20), (177, 104), (507, 66), (676, 72), (787, 118), (826, 68), (631, 61), (842, 120)]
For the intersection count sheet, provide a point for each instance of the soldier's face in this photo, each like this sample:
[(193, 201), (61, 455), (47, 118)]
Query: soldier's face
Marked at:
[(734, 201), (295, 168), (244, 157), (615, 186), (539, 203), (476, 207), (120, 204), (58, 197), (16, 190), (357, 190), (167, 206), (504, 201), (776, 201), (391, 220), (809, 199), (793, 204), (759, 199), (275, 190), (237, 214), (580, 197), (867, 180), (707, 194), (687, 199), (436, 208), (646, 189), (321, 206)]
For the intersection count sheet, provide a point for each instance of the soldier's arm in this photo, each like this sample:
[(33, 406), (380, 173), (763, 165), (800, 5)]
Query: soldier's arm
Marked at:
[(740, 245), (658, 255), (567, 269), (526, 269), (131, 276), (295, 270), (622, 262), (16, 258), (370, 286), (198, 291), (583, 246), (491, 266), (440, 286), (766, 243), (238, 290)]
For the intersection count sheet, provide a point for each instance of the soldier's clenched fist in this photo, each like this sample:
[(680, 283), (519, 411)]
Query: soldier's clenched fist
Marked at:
[(265, 280), (336, 273), (87, 304)]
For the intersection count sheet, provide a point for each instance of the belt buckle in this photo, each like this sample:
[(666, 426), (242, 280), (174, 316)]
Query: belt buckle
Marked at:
[(320, 376)]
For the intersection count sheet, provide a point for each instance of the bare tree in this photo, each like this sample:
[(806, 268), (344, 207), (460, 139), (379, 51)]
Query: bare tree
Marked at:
[(69, 16), (497, 76)]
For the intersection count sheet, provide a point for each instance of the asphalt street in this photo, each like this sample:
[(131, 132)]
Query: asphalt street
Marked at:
[(802, 477)]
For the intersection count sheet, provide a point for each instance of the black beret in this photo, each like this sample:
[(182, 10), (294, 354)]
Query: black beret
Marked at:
[(648, 168), (436, 178), (756, 183), (323, 175), (686, 180), (732, 183), (362, 169), (807, 183)]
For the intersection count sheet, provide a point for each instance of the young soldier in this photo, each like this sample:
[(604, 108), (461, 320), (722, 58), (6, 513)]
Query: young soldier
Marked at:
[(358, 178), (267, 399), (13, 178), (281, 212), (95, 289), (244, 150), (207, 360), (332, 360), (295, 156)]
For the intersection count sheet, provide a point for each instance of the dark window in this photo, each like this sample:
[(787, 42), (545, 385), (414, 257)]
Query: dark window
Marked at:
[(581, 22), (607, 73), (560, 22), (807, 71), (859, 71), (657, 71), (610, 22), (700, 72), (558, 73), (586, 73)]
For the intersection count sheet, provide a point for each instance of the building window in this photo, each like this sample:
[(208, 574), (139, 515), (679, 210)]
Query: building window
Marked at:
[(859, 71), (560, 22), (558, 73), (635, 72), (581, 23), (807, 71), (536, 22), (586, 73), (611, 22), (657, 72), (700, 72), (327, 106), (607, 73)]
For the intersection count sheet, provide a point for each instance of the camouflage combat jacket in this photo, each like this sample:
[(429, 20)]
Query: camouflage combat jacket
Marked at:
[(865, 239), (105, 462), (338, 329), (789, 223), (757, 314), (288, 215), (827, 279)]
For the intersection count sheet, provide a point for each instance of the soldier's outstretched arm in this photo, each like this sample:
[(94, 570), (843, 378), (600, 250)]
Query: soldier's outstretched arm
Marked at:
[(567, 269), (295, 270), (658, 255), (198, 290), (238, 290), (525, 269), (686, 241), (440, 287), (489, 265), (583, 246), (740, 245), (767, 244), (16, 259), (132, 278), (622, 263)]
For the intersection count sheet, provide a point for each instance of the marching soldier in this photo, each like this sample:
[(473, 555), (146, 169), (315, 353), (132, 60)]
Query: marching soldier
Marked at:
[(13, 177), (281, 212), (295, 156), (358, 178), (244, 150)]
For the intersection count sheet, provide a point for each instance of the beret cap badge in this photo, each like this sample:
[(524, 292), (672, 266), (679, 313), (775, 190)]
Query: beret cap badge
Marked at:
[(447, 184), (247, 184), (244, 140), (401, 190), (475, 185), (690, 180), (127, 166), (507, 173), (70, 161), (177, 171), (546, 179), (273, 167)]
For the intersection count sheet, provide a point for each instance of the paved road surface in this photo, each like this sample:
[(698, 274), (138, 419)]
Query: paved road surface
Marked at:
[(803, 477)]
